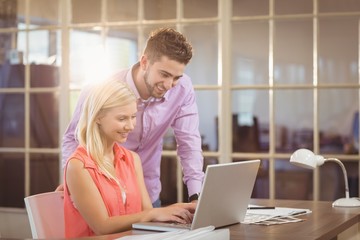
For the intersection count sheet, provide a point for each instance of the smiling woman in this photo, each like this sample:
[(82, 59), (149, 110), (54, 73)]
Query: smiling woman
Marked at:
[(104, 185)]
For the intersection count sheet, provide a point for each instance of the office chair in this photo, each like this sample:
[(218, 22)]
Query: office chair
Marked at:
[(46, 214)]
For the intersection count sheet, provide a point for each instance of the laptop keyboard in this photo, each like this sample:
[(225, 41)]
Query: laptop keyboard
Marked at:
[(184, 225), (176, 224)]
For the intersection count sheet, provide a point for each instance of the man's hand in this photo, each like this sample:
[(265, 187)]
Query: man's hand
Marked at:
[(60, 188)]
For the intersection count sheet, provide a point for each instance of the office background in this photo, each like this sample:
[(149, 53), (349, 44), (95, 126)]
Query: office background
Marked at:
[(270, 76)]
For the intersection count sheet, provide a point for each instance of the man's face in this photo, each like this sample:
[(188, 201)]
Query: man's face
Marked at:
[(162, 75)]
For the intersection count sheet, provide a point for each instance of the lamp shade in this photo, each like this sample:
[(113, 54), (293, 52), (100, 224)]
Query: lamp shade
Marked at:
[(306, 159)]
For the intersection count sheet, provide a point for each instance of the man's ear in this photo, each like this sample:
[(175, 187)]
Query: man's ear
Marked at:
[(143, 62)]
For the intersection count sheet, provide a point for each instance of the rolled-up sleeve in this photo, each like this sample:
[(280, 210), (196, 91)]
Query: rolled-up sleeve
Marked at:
[(69, 142), (186, 130)]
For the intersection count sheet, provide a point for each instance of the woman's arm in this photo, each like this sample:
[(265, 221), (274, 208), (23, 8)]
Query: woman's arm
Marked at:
[(89, 202)]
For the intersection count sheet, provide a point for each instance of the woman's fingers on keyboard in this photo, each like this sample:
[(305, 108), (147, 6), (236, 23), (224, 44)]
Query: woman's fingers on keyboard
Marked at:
[(184, 214)]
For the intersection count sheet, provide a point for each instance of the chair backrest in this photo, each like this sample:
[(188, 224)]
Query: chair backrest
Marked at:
[(46, 214)]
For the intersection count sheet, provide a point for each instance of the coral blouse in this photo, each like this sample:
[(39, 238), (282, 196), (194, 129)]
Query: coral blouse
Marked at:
[(75, 224)]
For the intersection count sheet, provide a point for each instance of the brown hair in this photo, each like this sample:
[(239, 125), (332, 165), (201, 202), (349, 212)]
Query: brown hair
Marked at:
[(170, 43)]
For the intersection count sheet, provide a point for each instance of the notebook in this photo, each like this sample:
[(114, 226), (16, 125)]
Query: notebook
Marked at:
[(223, 200)]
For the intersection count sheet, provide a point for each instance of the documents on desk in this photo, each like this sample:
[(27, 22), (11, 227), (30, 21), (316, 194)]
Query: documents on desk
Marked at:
[(272, 216), (204, 233)]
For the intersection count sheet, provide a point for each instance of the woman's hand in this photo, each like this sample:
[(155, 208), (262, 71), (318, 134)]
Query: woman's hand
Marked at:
[(179, 212)]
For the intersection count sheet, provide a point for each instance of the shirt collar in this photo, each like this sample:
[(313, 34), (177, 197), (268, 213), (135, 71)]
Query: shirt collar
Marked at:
[(118, 154)]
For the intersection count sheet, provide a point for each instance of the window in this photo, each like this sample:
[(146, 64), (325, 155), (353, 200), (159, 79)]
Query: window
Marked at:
[(270, 77)]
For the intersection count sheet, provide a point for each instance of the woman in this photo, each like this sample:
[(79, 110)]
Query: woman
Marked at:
[(104, 185)]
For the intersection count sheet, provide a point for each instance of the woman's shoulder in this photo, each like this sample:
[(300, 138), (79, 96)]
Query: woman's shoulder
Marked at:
[(80, 155)]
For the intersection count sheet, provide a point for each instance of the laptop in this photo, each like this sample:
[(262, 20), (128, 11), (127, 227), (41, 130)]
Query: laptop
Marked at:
[(223, 200)]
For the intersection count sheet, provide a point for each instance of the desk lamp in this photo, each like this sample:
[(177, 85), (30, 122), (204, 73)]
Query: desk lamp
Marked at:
[(307, 159)]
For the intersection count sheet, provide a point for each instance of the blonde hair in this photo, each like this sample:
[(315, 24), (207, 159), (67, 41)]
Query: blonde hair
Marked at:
[(102, 97)]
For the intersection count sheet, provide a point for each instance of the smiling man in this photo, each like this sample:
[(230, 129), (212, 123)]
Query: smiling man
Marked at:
[(166, 99)]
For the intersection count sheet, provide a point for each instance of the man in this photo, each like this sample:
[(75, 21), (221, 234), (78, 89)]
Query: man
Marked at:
[(166, 98)]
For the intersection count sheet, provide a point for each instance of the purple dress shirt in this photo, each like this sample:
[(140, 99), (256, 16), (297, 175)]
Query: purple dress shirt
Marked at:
[(178, 110)]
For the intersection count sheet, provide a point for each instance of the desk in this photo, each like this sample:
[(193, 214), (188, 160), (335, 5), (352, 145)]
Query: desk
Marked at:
[(325, 222)]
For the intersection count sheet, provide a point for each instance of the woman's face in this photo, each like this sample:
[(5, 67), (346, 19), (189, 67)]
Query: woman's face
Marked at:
[(116, 123)]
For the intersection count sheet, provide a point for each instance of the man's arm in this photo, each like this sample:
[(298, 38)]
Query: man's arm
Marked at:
[(69, 142), (186, 130)]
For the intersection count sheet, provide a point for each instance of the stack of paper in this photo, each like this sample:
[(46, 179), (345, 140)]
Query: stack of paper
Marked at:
[(277, 215)]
